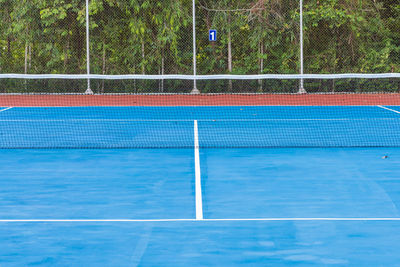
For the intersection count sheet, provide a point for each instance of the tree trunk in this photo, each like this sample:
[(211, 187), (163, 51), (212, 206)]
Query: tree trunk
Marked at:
[(26, 58), (261, 62), (162, 69), (29, 57), (78, 46), (103, 67), (66, 48), (26, 65), (143, 58), (9, 46)]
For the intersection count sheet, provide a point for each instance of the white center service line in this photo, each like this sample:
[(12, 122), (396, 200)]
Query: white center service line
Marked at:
[(395, 111), (1, 110), (199, 200)]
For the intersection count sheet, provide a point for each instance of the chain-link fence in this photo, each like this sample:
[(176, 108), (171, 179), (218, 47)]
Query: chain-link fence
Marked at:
[(42, 37), (253, 37), (141, 37), (144, 37), (351, 37)]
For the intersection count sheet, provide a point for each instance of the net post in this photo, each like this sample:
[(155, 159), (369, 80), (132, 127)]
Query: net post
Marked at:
[(88, 90), (301, 85), (194, 91)]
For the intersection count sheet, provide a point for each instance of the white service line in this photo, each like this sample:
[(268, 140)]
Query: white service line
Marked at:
[(199, 199), (5, 109), (222, 120), (395, 111), (305, 219), (89, 220), (195, 220)]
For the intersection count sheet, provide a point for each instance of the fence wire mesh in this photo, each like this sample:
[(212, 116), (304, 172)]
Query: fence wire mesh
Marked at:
[(156, 38), (351, 36)]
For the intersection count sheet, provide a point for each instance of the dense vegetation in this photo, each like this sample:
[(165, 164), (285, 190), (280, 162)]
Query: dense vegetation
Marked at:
[(155, 36)]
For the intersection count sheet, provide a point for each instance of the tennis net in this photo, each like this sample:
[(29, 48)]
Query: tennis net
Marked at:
[(135, 111)]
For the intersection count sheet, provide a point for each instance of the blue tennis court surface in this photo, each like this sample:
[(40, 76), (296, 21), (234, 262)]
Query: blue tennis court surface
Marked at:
[(172, 127), (308, 186)]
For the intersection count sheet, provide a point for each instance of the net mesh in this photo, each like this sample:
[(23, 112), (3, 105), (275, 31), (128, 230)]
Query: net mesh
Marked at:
[(147, 57), (132, 113)]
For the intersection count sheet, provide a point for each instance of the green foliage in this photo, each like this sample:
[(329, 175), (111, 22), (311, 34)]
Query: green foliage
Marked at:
[(155, 36), (348, 36)]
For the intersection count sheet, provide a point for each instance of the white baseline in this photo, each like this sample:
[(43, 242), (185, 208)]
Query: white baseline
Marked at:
[(395, 111), (4, 109)]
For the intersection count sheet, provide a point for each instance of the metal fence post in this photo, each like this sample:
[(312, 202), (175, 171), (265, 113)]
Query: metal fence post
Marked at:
[(88, 90), (194, 90), (301, 87)]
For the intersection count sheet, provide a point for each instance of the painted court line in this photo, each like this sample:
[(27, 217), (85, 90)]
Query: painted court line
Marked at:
[(193, 220), (5, 109), (199, 200), (190, 120), (395, 111)]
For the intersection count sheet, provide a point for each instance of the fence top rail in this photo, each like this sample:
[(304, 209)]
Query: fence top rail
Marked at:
[(202, 77)]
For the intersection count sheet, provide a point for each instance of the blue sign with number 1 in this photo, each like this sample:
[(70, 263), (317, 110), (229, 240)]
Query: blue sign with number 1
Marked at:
[(212, 36)]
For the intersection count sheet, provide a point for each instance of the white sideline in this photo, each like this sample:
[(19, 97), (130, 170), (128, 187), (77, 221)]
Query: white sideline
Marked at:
[(199, 200), (395, 111), (6, 109), (194, 220)]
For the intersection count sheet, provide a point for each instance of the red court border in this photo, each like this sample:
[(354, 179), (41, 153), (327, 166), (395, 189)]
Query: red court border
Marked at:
[(200, 100)]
